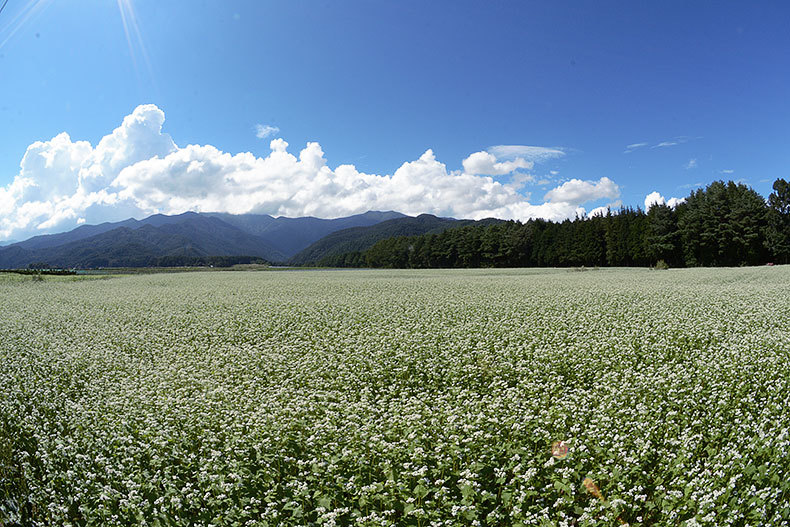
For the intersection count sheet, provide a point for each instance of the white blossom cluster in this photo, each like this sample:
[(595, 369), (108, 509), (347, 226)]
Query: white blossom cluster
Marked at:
[(389, 398)]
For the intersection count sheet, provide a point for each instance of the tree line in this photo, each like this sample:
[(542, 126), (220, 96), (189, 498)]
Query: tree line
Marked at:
[(174, 260), (724, 224)]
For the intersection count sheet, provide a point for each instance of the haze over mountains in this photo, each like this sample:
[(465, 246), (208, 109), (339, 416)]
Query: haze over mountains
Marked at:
[(159, 238)]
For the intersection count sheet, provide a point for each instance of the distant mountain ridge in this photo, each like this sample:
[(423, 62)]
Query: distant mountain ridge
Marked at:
[(83, 231), (186, 235), (136, 243), (291, 235)]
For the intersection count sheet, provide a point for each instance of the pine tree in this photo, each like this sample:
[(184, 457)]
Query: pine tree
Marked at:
[(662, 236), (778, 230)]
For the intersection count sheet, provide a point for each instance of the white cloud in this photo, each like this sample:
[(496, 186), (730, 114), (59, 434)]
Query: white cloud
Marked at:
[(537, 154), (613, 208), (262, 131), (598, 211), (59, 178), (578, 192), (727, 171), (138, 138), (679, 140), (519, 180), (654, 198), (630, 148), (692, 163), (138, 170), (485, 163)]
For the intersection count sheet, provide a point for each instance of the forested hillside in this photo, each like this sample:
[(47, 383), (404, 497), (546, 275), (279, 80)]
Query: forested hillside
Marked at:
[(181, 240), (725, 224), (342, 248)]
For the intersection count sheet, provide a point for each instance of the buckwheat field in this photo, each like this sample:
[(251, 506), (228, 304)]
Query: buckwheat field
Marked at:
[(389, 398)]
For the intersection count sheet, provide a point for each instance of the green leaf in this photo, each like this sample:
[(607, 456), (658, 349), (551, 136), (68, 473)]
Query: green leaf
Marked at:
[(506, 497), (420, 491), (559, 485)]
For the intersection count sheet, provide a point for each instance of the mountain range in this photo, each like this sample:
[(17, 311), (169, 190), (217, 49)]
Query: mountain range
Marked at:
[(196, 237)]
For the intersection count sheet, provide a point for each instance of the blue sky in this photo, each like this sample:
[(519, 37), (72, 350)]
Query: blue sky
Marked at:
[(700, 91)]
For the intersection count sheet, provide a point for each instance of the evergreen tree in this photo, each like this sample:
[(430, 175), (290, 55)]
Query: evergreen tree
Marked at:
[(662, 240), (747, 216), (723, 224), (778, 231)]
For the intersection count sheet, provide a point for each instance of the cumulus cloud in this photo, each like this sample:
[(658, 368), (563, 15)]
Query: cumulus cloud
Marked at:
[(262, 131), (519, 180), (691, 164), (654, 198), (600, 211), (485, 163), (578, 192), (613, 208), (138, 170)]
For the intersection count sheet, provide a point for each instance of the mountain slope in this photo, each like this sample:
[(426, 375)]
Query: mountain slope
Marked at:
[(140, 242), (291, 235), (80, 233), (121, 247), (360, 238), (193, 236), (216, 238), (86, 231)]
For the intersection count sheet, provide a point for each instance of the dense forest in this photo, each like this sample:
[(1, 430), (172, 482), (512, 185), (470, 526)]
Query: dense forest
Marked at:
[(724, 224), (325, 252)]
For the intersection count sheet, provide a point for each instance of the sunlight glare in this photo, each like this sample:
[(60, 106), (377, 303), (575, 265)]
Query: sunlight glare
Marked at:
[(29, 10), (134, 38)]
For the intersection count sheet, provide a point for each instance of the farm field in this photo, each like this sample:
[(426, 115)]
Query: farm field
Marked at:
[(378, 398)]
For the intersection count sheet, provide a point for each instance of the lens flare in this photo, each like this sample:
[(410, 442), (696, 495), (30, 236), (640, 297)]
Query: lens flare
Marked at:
[(134, 38), (28, 11), (560, 449), (591, 487)]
